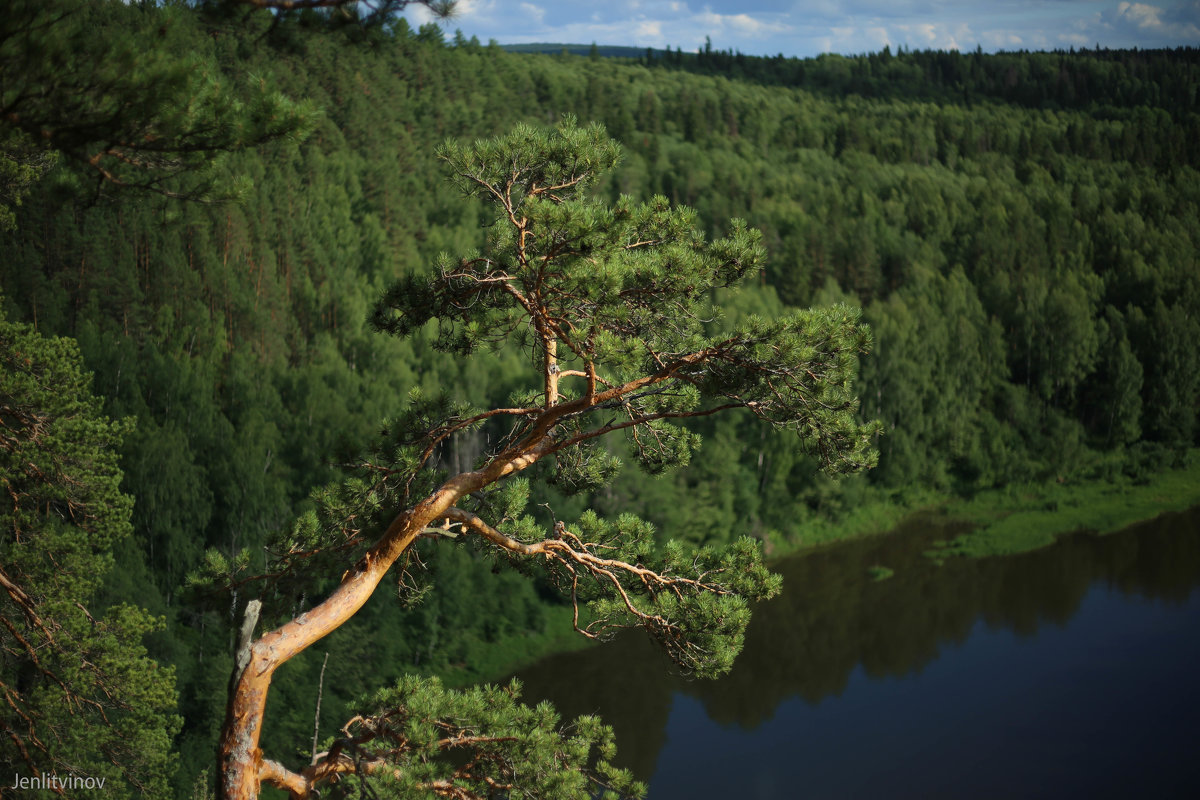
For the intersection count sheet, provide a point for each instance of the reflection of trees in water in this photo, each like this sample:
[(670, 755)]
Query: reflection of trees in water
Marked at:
[(831, 618), (627, 682)]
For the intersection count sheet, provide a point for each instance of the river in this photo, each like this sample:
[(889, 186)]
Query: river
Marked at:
[(1067, 672)]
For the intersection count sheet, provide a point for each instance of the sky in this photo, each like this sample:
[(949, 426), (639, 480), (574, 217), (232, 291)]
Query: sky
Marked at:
[(809, 27)]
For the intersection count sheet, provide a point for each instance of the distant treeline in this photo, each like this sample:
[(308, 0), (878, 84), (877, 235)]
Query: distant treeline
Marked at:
[(1021, 230), (1083, 79)]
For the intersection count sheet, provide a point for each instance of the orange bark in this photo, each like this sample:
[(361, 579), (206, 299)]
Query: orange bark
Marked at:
[(240, 760), (241, 767)]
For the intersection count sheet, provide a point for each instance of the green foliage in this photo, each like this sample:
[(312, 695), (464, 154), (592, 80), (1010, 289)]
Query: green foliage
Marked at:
[(122, 89), (701, 626), (1033, 517), (541, 275), (535, 285), (609, 264), (81, 695), (817, 402), (1026, 265), (623, 290), (21, 167), (425, 739), (588, 467), (878, 572)]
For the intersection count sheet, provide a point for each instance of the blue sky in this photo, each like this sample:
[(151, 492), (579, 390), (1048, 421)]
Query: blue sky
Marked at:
[(809, 27)]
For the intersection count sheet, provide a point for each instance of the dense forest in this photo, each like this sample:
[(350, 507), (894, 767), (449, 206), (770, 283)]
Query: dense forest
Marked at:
[(1020, 230)]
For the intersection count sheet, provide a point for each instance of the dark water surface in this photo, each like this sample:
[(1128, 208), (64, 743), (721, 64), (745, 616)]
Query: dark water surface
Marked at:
[(1070, 672)]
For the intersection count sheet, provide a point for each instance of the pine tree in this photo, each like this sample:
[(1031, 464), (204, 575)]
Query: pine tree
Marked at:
[(118, 89), (613, 305), (81, 698)]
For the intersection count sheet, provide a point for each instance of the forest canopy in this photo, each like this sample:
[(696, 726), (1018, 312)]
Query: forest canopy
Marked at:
[(1019, 230)]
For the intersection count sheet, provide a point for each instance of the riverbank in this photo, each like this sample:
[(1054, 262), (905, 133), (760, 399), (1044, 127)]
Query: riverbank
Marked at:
[(1011, 520), (1018, 519), (977, 677)]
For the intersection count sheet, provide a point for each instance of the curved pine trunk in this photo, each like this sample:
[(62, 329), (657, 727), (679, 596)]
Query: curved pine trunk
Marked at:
[(239, 759)]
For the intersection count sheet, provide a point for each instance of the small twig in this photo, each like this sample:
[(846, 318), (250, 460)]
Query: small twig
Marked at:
[(317, 715)]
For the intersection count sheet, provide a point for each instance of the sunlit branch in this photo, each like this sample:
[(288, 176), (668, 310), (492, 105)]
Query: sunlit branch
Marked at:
[(639, 420), (427, 453), (577, 557)]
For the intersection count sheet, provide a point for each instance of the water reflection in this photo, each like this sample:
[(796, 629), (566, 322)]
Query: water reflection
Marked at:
[(833, 628)]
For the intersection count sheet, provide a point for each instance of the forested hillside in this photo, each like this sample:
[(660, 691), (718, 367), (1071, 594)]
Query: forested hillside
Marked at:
[(1021, 231)]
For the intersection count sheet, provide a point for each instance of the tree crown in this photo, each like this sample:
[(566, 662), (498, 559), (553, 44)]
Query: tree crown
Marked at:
[(613, 304)]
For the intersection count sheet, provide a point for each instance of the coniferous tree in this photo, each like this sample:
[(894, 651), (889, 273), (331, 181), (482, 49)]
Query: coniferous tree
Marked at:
[(235, 334), (610, 303), (81, 698), (117, 88)]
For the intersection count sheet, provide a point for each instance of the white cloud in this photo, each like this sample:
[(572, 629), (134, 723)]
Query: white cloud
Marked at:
[(648, 31), (1074, 40), (1141, 15), (1179, 22), (1147, 25), (808, 27), (535, 13), (1001, 40), (878, 36), (420, 15), (653, 24), (464, 11), (747, 24), (938, 35), (741, 23)]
